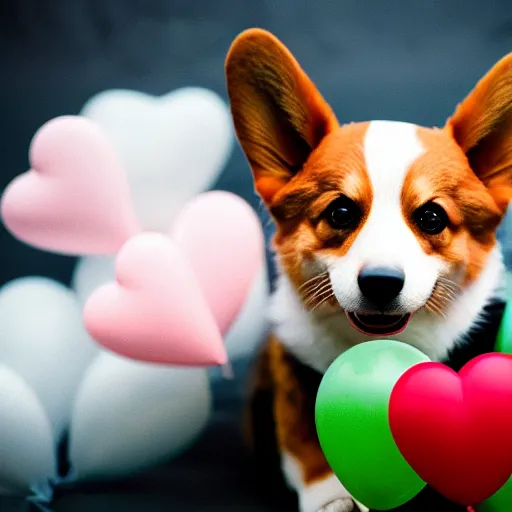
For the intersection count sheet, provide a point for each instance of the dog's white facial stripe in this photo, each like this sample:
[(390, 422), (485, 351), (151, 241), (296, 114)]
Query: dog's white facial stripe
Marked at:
[(390, 148)]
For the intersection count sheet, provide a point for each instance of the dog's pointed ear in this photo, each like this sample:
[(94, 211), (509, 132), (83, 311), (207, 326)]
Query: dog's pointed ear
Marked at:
[(278, 113), (482, 126)]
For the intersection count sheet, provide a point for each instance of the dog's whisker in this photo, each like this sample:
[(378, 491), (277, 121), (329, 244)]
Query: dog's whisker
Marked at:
[(449, 284), (436, 306), (445, 293), (448, 297), (446, 286), (442, 305), (448, 291), (435, 310), (448, 280), (312, 281), (319, 293), (314, 285), (323, 301), (309, 282), (313, 289), (326, 287)]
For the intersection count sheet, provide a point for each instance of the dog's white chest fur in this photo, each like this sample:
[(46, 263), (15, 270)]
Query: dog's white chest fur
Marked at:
[(318, 339)]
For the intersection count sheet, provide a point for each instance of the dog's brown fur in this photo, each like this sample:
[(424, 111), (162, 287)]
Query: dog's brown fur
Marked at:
[(285, 126)]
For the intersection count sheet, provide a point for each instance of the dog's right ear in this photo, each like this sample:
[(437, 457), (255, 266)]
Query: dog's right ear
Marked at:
[(482, 126), (278, 113)]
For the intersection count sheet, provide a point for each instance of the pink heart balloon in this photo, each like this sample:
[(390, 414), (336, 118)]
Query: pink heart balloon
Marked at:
[(75, 199), (222, 238), (155, 310)]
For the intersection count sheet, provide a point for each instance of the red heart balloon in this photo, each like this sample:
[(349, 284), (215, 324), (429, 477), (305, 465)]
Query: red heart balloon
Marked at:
[(455, 429)]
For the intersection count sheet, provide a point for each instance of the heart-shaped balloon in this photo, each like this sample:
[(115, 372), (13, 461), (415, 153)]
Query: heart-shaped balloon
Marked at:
[(504, 341), (353, 427), (90, 273), (454, 429), (75, 199), (245, 334), (27, 449), (155, 310), (221, 236), (173, 147), (129, 415), (44, 341)]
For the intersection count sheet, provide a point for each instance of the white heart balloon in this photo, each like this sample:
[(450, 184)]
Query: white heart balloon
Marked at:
[(173, 146), (27, 448), (42, 338), (90, 273), (250, 328), (130, 415)]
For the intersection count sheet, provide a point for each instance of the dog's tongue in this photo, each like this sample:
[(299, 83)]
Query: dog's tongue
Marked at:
[(379, 320), (378, 325)]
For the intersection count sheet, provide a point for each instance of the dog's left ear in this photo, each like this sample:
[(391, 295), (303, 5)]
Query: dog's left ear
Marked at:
[(482, 126), (280, 117)]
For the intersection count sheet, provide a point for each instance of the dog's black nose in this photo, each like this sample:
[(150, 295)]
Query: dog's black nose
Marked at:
[(380, 285)]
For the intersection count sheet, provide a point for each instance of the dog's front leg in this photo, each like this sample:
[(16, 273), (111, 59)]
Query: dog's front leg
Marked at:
[(303, 461)]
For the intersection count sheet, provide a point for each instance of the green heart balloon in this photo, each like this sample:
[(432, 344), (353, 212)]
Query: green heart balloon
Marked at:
[(353, 426), (499, 502), (504, 341), (502, 500)]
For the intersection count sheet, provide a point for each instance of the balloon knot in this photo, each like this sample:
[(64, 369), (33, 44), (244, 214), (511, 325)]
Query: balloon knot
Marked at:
[(227, 372)]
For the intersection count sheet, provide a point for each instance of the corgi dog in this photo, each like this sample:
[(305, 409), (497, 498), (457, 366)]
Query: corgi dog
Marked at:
[(384, 229)]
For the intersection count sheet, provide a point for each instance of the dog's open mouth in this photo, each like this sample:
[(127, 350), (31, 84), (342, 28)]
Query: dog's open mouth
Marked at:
[(379, 324)]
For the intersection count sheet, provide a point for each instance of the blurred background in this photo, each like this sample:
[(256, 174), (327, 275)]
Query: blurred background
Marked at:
[(411, 61)]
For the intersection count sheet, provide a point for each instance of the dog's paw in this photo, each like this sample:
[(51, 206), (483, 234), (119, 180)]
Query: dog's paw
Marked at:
[(326, 495), (340, 505)]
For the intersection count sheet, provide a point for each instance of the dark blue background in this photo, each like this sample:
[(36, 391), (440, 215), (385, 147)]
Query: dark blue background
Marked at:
[(402, 60)]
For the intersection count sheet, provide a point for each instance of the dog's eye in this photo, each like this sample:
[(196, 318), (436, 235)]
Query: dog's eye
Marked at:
[(342, 213), (431, 218)]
